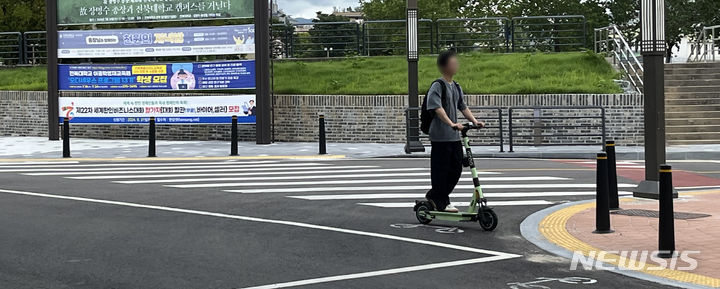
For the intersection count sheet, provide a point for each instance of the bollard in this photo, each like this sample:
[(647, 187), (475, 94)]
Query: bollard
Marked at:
[(323, 144), (151, 134), (234, 136), (66, 137), (602, 206), (666, 231), (614, 202)]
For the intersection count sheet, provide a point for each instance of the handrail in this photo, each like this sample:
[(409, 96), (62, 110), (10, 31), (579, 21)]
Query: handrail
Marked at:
[(704, 48), (609, 40)]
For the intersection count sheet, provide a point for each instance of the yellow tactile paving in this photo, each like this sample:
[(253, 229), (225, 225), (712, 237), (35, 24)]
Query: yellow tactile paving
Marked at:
[(553, 227)]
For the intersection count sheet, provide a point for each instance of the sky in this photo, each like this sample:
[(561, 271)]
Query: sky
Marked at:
[(307, 8)]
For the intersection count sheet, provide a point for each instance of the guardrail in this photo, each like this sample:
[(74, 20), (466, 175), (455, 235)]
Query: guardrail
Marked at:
[(492, 116), (388, 37), (35, 47), (563, 126), (706, 47), (609, 40)]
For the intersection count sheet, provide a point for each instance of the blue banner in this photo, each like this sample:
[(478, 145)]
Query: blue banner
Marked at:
[(153, 77), (157, 42)]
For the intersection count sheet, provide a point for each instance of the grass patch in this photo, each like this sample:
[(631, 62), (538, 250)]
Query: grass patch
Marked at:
[(480, 73), (582, 72), (23, 78)]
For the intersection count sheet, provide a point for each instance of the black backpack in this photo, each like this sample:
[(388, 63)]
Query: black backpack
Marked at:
[(427, 116)]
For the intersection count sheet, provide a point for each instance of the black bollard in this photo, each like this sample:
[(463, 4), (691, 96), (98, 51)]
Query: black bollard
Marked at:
[(151, 134), (666, 231), (234, 136), (612, 176), (323, 144), (602, 206), (66, 137)]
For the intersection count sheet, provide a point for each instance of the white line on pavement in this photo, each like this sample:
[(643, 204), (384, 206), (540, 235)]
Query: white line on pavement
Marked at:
[(247, 183), (413, 188), (61, 171), (379, 273), (285, 176), (243, 169), (491, 204), (37, 163), (154, 164), (243, 172), (267, 221), (460, 195)]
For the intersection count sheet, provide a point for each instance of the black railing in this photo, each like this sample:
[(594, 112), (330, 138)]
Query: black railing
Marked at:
[(11, 48), (382, 37), (474, 34), (492, 116), (549, 33), (567, 127)]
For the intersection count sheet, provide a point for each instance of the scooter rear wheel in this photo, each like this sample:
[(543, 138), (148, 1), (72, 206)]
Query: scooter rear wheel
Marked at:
[(488, 219), (423, 207)]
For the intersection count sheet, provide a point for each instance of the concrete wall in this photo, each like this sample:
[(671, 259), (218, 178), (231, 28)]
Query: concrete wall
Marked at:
[(376, 118)]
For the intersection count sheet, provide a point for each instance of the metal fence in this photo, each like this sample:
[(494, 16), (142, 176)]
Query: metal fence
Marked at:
[(373, 38), (11, 48), (706, 48), (549, 33), (491, 135)]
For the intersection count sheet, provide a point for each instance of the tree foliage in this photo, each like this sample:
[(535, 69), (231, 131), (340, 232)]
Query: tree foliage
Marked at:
[(25, 15), (427, 9)]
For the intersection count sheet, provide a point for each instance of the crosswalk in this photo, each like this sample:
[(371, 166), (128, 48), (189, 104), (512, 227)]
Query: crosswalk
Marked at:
[(369, 184)]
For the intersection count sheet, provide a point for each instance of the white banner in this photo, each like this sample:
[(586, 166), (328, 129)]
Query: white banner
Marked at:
[(172, 110)]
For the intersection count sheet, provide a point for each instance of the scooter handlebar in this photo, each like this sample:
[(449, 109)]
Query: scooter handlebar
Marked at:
[(468, 126)]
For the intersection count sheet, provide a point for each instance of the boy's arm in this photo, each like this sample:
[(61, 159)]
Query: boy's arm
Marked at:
[(440, 112), (469, 116)]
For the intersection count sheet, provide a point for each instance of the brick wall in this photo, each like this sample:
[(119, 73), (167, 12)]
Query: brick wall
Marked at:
[(376, 118)]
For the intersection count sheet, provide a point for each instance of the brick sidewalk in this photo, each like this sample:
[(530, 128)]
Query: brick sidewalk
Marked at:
[(641, 233)]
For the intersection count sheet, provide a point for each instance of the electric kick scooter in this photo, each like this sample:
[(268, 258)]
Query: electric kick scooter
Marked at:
[(425, 211)]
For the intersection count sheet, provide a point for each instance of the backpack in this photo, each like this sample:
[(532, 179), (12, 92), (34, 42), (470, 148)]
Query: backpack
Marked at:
[(426, 115)]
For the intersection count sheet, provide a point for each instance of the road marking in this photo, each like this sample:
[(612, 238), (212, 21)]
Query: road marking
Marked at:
[(284, 167), (462, 195), (369, 181), (198, 158), (78, 165), (380, 273), (267, 221), (491, 204), (37, 163), (330, 175), (146, 168), (243, 172), (414, 188)]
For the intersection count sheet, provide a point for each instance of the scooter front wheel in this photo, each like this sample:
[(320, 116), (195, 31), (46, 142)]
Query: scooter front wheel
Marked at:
[(421, 211), (488, 219)]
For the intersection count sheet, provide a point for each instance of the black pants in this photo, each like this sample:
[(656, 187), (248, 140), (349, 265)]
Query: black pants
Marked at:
[(445, 170)]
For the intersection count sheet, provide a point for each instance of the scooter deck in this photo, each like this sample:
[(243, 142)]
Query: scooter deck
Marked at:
[(448, 216)]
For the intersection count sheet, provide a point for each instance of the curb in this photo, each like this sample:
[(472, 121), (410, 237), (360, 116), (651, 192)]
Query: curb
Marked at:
[(629, 156), (550, 223)]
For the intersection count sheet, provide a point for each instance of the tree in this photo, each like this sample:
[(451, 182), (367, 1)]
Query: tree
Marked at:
[(22, 16), (427, 9), (342, 38)]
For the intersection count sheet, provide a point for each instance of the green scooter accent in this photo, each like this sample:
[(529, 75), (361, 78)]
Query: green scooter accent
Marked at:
[(478, 211)]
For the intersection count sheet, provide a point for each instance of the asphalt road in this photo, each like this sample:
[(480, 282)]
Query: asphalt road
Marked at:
[(303, 223)]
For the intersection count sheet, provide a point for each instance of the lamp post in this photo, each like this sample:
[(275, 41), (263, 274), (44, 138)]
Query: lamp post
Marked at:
[(328, 50), (652, 16), (413, 143), (263, 126)]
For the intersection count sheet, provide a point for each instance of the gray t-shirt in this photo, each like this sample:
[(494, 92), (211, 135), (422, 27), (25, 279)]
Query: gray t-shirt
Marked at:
[(440, 131)]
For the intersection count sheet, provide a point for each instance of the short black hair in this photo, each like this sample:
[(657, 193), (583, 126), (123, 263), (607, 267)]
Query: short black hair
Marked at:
[(444, 57)]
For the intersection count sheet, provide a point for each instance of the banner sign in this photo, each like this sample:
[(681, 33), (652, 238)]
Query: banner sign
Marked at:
[(170, 110), (146, 77), (189, 41), (73, 12)]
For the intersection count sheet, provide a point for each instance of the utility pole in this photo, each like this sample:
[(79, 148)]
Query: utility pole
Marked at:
[(263, 124), (413, 135)]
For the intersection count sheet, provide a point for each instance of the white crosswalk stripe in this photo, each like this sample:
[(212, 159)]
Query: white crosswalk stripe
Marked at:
[(364, 184)]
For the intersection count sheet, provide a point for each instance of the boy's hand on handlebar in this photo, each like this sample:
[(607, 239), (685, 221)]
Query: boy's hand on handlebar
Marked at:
[(479, 124), (457, 126)]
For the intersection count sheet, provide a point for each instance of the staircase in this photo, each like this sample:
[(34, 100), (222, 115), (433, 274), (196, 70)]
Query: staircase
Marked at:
[(692, 92)]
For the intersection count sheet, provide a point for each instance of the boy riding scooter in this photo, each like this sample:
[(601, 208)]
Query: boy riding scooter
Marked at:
[(444, 100)]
